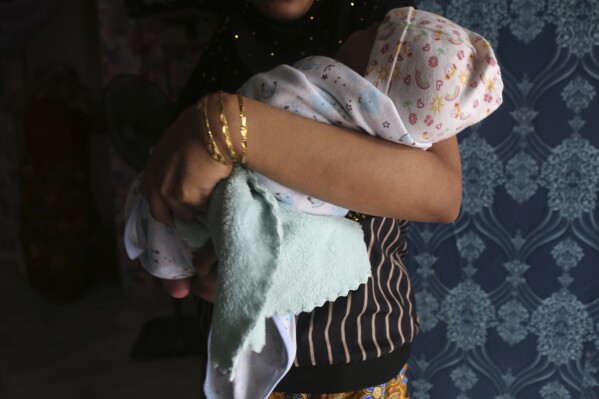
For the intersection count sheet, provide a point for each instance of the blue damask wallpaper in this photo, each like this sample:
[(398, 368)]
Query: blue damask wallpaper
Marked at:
[(508, 295)]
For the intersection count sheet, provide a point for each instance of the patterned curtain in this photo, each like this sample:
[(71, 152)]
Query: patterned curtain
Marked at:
[(508, 295)]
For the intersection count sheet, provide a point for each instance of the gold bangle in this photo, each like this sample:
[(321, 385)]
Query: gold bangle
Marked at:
[(243, 130), (225, 129), (211, 146)]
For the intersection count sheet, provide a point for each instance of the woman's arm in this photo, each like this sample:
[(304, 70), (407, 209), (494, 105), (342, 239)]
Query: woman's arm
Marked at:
[(340, 166), (351, 169)]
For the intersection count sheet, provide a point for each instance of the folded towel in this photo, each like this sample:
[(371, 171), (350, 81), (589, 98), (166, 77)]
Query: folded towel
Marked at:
[(273, 260)]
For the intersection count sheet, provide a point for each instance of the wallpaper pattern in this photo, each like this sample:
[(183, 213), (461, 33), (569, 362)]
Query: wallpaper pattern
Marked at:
[(508, 295)]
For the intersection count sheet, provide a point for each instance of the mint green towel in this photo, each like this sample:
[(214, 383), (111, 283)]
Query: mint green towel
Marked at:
[(273, 259)]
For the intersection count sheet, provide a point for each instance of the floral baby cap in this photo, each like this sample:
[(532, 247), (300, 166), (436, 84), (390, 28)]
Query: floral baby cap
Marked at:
[(441, 76)]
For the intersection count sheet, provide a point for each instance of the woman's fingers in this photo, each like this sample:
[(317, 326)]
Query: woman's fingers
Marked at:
[(177, 288), (159, 209), (162, 205), (178, 209)]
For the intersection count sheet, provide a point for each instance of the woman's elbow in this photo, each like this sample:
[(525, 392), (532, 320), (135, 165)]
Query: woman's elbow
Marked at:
[(450, 212), (447, 210), (441, 205)]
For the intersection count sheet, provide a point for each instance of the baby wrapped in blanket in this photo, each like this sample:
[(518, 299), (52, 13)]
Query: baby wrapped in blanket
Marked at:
[(426, 79)]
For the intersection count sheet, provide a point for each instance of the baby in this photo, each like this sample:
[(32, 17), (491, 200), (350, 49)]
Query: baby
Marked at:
[(425, 80)]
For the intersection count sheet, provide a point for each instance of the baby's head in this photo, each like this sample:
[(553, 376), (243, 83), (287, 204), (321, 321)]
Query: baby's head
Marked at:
[(442, 77)]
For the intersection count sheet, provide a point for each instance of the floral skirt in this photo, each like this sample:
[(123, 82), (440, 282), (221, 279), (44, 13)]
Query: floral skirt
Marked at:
[(394, 389)]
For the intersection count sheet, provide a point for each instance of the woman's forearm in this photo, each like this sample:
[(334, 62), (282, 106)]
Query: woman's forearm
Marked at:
[(347, 168)]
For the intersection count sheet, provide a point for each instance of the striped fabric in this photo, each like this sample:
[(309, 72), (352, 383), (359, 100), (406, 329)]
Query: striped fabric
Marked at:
[(372, 321)]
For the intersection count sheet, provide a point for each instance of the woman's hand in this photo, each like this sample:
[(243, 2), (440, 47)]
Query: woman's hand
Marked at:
[(204, 284), (181, 174), (178, 179)]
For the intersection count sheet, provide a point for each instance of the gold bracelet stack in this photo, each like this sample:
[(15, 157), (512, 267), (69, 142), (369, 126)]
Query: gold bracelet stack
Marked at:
[(209, 140), (211, 145)]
